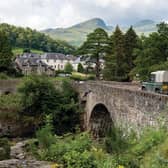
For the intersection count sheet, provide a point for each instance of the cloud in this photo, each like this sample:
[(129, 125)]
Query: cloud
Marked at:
[(42, 14)]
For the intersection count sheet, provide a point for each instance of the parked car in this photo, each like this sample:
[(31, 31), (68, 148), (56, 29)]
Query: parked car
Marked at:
[(158, 82)]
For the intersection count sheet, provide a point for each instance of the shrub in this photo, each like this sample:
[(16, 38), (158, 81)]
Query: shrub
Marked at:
[(68, 68), (3, 76), (10, 107), (4, 149), (45, 137), (116, 141), (80, 68), (75, 159), (39, 96)]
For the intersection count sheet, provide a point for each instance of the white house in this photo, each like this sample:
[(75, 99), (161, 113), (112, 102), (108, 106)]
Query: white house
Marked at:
[(58, 61)]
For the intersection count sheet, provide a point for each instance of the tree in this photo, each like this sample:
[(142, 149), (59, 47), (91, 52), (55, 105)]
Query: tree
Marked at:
[(153, 53), (80, 68), (95, 47), (68, 68), (27, 38), (66, 117), (5, 52), (41, 98), (131, 42), (116, 64)]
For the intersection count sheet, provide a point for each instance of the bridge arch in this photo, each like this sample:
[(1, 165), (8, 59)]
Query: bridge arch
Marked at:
[(100, 121)]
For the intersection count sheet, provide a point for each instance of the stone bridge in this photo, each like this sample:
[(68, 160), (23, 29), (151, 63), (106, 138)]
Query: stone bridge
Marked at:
[(109, 104), (120, 104), (8, 86)]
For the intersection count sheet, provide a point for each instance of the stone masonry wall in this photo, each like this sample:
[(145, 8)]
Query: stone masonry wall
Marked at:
[(132, 108)]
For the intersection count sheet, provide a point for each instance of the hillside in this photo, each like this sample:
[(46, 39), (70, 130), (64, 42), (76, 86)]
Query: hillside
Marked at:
[(27, 38), (76, 34)]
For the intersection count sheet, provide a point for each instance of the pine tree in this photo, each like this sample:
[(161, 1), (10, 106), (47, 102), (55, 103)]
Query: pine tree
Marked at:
[(116, 61), (131, 42), (5, 52), (95, 47)]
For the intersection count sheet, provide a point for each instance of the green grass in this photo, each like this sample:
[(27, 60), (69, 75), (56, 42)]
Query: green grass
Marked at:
[(157, 157), (17, 51)]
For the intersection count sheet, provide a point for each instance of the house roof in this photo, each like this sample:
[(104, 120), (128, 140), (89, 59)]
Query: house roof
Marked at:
[(53, 56), (31, 59)]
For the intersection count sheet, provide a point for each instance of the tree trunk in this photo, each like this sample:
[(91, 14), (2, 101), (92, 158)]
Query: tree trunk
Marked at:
[(97, 68)]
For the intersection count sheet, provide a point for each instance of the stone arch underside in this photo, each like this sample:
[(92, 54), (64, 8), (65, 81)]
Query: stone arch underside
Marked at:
[(100, 121)]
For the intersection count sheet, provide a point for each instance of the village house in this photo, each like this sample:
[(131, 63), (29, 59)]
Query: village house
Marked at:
[(30, 63), (48, 63), (58, 61)]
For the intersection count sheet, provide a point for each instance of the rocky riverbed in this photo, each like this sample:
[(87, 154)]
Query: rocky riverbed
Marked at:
[(19, 159)]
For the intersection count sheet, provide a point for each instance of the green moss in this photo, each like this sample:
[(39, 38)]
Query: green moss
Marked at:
[(4, 149)]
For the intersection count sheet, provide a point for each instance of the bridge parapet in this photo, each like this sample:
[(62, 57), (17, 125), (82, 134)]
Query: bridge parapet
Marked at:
[(8, 86)]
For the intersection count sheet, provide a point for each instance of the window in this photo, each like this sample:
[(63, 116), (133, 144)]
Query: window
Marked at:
[(152, 78)]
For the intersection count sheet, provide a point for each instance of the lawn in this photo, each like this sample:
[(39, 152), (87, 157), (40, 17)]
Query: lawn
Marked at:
[(17, 51)]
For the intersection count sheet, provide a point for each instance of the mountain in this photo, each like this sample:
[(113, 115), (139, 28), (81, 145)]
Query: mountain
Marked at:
[(145, 26), (76, 35)]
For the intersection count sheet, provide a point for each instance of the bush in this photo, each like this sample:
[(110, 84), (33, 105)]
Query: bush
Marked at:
[(10, 107), (116, 141), (80, 68), (39, 96), (75, 159), (4, 149), (68, 68), (3, 76), (45, 135)]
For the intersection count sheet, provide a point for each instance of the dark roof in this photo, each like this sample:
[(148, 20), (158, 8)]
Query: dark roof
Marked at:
[(58, 56), (53, 56)]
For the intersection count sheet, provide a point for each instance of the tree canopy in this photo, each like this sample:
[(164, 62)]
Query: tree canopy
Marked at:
[(32, 39), (95, 47), (5, 52)]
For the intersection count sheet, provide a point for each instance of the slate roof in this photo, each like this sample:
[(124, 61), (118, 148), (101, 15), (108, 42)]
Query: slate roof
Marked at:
[(58, 56), (53, 56), (31, 59)]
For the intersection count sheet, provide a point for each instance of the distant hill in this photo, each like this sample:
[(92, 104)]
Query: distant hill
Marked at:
[(145, 26), (75, 35)]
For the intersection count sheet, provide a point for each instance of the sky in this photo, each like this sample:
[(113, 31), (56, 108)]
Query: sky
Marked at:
[(42, 14)]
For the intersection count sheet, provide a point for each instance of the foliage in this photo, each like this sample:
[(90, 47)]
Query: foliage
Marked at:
[(117, 64), (58, 149), (45, 135), (95, 47), (10, 107), (5, 52), (4, 149), (32, 39), (68, 68), (3, 76), (133, 156), (19, 51), (152, 54), (116, 141), (39, 96), (66, 117), (80, 68), (74, 159)]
